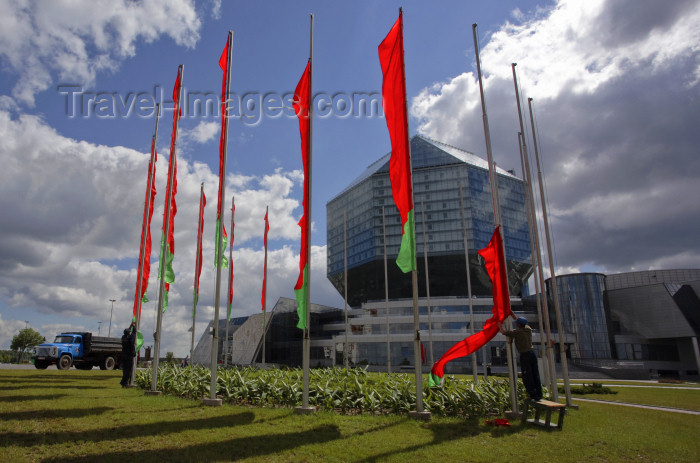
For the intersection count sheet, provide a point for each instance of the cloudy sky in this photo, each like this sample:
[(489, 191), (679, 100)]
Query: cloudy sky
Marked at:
[(615, 87)]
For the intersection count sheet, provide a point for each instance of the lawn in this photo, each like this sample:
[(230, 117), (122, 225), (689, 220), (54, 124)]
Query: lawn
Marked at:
[(79, 416)]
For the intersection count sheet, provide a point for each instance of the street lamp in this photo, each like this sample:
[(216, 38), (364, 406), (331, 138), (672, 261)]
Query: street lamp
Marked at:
[(110, 317), (99, 326)]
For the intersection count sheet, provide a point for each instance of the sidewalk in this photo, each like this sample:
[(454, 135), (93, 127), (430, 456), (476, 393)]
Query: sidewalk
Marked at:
[(649, 407)]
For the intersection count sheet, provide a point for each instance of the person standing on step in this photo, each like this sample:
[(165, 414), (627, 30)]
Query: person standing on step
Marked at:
[(522, 335), (128, 354)]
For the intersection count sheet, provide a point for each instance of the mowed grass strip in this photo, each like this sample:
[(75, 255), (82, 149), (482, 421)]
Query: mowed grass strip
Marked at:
[(79, 416)]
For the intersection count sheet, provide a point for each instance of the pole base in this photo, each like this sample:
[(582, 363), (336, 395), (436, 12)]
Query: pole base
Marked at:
[(154, 392), (420, 416), (514, 415), (211, 402), (301, 410)]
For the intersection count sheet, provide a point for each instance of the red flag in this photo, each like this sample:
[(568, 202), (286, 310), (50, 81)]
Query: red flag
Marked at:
[(145, 254), (494, 258), (168, 244), (223, 64), (267, 228), (200, 232), (301, 108), (394, 102)]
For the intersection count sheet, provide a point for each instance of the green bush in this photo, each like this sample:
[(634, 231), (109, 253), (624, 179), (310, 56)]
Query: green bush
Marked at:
[(348, 392), (593, 388)]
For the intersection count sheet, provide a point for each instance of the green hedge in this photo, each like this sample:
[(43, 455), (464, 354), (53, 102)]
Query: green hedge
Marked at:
[(347, 392)]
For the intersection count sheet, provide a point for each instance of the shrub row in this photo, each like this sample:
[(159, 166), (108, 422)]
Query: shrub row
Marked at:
[(345, 391)]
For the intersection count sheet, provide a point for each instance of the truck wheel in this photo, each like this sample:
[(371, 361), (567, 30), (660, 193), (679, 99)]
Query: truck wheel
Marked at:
[(108, 363), (65, 362), (40, 365)]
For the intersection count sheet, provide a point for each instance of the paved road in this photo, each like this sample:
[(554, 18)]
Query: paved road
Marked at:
[(650, 407)]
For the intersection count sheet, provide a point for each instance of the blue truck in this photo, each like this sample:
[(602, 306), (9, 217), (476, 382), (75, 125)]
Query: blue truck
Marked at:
[(79, 349)]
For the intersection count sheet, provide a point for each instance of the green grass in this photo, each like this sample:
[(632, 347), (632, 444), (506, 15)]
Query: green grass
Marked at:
[(78, 416)]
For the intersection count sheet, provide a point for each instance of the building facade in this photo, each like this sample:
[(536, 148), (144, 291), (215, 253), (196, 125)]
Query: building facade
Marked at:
[(447, 182)]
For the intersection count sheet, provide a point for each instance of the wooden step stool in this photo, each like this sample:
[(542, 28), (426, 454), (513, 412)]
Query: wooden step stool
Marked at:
[(547, 407)]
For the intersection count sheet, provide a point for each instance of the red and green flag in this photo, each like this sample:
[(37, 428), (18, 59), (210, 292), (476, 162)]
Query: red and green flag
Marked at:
[(145, 253), (167, 245), (223, 64), (494, 260), (301, 108), (394, 102), (262, 300), (200, 232)]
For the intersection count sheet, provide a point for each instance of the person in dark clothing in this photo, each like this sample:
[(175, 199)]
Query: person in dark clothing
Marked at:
[(522, 335), (128, 354)]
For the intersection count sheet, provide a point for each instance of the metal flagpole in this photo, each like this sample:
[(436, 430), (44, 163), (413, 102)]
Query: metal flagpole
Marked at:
[(230, 283), (264, 307), (169, 196), (307, 338), (549, 374), (386, 299), (496, 205), (414, 273), (200, 230), (144, 231), (526, 163), (427, 284), (469, 283), (555, 295), (345, 277), (212, 400)]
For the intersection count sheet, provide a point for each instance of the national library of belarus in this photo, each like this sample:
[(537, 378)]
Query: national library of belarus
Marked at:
[(630, 325)]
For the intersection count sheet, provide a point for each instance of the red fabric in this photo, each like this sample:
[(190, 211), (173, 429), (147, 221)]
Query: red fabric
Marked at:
[(223, 64), (267, 228), (394, 103), (494, 260), (301, 108), (422, 353), (173, 159), (200, 232), (145, 271)]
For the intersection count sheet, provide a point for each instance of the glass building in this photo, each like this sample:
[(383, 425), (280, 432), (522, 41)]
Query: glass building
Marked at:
[(366, 207), (583, 314)]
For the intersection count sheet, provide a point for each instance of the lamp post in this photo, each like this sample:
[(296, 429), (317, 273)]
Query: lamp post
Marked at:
[(109, 333), (99, 327)]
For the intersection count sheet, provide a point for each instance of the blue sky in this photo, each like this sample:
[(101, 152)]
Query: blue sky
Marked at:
[(615, 87)]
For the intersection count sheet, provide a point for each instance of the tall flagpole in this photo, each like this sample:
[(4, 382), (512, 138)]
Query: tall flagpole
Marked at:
[(230, 284), (200, 230), (427, 284), (414, 273), (307, 338), (386, 299), (528, 196), (212, 400), (550, 374), (168, 218), (496, 205), (264, 298), (345, 276), (469, 283), (555, 295), (145, 230)]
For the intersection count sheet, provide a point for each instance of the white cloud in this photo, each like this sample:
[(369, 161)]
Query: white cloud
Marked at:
[(614, 85), (74, 40), (204, 132), (73, 240)]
